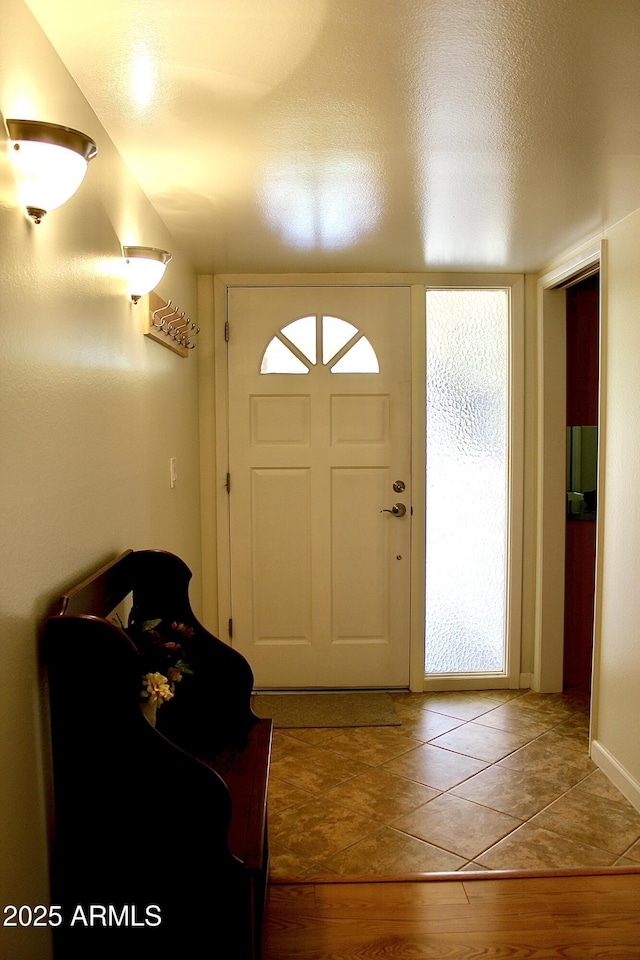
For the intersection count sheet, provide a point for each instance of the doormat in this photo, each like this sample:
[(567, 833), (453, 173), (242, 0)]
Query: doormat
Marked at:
[(327, 709)]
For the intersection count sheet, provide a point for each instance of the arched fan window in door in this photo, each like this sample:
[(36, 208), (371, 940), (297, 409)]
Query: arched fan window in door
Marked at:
[(304, 343)]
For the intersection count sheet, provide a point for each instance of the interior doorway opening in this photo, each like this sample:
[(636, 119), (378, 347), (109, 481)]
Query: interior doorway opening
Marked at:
[(583, 326), (554, 353)]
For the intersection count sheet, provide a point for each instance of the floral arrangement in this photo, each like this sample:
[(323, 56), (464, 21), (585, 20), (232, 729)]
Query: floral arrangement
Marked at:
[(164, 656)]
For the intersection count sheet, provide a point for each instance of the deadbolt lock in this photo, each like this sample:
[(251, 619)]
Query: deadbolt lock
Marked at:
[(399, 486)]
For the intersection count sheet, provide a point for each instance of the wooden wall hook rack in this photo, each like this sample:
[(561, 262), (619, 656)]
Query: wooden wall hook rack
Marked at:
[(167, 324)]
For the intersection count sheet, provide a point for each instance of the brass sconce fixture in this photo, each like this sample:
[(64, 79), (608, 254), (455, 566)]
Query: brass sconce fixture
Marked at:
[(49, 163), (145, 267)]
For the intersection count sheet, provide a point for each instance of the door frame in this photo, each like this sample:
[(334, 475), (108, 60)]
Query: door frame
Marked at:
[(213, 396), (549, 607)]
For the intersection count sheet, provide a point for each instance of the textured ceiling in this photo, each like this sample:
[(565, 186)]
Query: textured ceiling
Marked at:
[(367, 135)]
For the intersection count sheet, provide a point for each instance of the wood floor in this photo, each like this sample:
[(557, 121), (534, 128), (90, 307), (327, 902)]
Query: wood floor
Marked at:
[(572, 917)]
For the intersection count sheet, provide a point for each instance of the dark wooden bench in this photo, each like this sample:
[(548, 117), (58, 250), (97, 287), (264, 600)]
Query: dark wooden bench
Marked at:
[(166, 821)]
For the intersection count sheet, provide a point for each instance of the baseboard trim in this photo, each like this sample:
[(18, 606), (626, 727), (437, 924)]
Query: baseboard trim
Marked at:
[(618, 775)]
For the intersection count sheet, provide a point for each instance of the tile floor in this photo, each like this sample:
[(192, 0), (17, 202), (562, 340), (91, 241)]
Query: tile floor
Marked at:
[(489, 780)]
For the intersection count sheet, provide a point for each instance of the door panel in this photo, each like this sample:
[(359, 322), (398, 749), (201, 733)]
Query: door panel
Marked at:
[(360, 613), (319, 575), (280, 508)]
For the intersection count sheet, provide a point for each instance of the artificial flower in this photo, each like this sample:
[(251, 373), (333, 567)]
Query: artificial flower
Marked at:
[(157, 688)]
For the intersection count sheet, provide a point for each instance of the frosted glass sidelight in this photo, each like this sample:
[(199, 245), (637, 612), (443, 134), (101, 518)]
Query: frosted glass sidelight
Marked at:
[(467, 403)]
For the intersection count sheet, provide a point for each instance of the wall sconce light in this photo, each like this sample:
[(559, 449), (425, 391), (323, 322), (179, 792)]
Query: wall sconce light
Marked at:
[(145, 267), (49, 163)]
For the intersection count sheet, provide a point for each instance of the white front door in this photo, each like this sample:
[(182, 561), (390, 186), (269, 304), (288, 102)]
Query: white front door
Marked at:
[(319, 434)]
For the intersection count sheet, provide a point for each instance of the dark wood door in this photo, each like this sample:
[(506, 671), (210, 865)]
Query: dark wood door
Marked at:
[(583, 324)]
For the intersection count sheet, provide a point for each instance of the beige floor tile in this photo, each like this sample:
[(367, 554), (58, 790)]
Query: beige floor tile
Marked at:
[(409, 705), (437, 768), (483, 743), (318, 829), (599, 785), (391, 853), (457, 825), (576, 701), (318, 736), (282, 744), (576, 728), (427, 725), (462, 705), (381, 795), (520, 794), (372, 745), (594, 820), (544, 708), (566, 740), (633, 853), (532, 848), (283, 795), (406, 699), (552, 755), (508, 718), (334, 791), (285, 865), (502, 696), (315, 769), (558, 704)]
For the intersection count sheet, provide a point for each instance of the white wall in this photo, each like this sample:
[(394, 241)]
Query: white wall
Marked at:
[(90, 413), (616, 744)]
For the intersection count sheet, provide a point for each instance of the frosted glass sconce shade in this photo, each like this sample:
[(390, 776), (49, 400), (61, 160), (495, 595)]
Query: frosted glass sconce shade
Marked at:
[(144, 269), (49, 163)]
